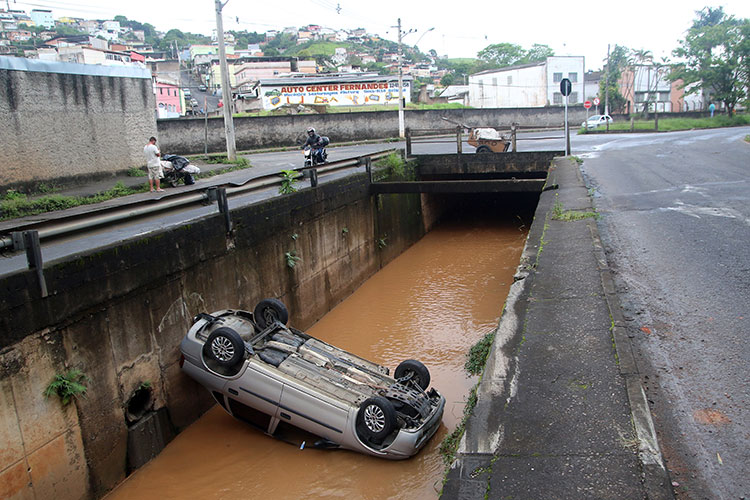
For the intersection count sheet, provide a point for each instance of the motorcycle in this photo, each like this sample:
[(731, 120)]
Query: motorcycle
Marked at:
[(178, 168), (317, 156)]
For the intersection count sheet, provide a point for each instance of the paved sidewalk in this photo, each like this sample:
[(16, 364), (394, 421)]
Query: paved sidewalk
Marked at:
[(560, 412)]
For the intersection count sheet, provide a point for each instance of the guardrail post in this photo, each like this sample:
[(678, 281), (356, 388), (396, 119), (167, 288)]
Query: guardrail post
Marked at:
[(513, 132), (313, 177), (368, 168), (459, 142), (29, 241), (224, 208), (408, 142)]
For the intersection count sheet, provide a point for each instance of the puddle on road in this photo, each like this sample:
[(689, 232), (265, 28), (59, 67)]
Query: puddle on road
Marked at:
[(432, 303)]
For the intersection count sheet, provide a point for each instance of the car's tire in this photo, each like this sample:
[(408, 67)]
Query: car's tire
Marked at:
[(225, 347), (419, 372), (376, 419), (269, 310), (484, 149)]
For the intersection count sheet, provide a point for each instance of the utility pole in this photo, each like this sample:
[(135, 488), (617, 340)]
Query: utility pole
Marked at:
[(606, 90), (226, 89), (401, 125)]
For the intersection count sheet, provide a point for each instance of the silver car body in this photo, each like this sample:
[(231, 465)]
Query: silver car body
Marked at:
[(316, 386)]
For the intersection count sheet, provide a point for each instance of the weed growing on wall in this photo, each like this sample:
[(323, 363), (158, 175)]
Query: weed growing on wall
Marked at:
[(291, 259), (288, 181), (67, 386)]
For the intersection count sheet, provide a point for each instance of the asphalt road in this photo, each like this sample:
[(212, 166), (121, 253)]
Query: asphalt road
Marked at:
[(676, 225)]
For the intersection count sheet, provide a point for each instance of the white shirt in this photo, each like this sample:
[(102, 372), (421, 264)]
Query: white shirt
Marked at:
[(152, 155)]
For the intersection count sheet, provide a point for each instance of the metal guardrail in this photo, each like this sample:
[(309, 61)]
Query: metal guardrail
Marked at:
[(140, 208)]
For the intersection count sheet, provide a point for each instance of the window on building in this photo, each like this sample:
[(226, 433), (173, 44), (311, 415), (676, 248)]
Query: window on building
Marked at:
[(161, 91), (557, 98), (664, 96), (573, 98), (641, 96), (573, 77), (494, 82), (557, 77), (510, 80)]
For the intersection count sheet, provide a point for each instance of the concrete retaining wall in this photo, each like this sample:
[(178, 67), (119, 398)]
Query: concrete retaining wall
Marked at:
[(65, 120), (186, 136), (118, 315)]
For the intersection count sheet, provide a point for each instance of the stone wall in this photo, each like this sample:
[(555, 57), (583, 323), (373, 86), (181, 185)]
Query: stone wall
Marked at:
[(66, 120), (186, 136), (118, 315)]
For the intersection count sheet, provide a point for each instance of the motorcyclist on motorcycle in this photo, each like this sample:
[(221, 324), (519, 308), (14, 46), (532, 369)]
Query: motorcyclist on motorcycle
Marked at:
[(317, 143)]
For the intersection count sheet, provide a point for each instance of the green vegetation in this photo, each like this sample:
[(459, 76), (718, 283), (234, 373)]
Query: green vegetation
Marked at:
[(291, 258), (450, 443), (67, 386), (716, 54), (559, 213), (241, 161), (14, 204), (137, 172), (747, 138), (477, 357), (673, 124), (288, 181)]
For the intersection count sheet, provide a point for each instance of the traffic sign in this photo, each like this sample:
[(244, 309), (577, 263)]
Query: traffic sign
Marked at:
[(596, 101), (565, 87), (587, 104)]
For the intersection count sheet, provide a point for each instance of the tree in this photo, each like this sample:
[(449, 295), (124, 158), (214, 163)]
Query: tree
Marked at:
[(619, 59), (538, 53), (716, 56), (502, 54)]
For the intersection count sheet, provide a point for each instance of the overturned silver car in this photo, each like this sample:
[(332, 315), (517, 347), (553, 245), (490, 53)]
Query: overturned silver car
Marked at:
[(265, 373)]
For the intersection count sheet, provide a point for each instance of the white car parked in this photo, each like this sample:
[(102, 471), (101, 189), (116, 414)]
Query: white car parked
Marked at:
[(596, 120)]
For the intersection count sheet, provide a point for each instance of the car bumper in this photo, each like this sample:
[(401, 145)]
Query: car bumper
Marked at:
[(409, 442)]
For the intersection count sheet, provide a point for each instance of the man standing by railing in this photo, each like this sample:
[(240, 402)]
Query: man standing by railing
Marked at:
[(154, 164)]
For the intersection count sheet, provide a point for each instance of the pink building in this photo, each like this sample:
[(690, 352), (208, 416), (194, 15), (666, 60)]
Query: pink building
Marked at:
[(168, 99)]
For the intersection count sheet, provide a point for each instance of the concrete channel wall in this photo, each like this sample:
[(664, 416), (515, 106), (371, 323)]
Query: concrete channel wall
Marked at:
[(118, 314), (66, 120), (187, 136)]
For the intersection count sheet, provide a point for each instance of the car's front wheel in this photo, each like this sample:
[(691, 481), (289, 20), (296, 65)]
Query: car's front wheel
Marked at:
[(225, 347), (376, 419)]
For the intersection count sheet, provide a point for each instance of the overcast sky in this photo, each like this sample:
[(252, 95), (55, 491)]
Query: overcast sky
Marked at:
[(461, 28)]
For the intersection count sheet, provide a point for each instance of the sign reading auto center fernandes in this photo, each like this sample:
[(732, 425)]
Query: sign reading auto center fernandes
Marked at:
[(334, 94)]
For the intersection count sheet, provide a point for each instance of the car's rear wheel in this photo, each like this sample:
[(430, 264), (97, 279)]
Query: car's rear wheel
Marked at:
[(376, 419), (418, 372), (225, 347), (270, 310)]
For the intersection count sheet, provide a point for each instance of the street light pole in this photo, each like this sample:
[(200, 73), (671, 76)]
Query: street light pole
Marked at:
[(401, 125), (226, 89)]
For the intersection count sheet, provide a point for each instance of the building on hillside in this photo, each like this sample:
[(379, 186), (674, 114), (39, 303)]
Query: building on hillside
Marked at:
[(170, 102), (364, 89), (19, 35), (85, 55), (454, 94), (43, 17), (528, 85)]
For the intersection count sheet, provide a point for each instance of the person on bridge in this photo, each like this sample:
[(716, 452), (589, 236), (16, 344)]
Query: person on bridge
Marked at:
[(316, 143), (154, 164)]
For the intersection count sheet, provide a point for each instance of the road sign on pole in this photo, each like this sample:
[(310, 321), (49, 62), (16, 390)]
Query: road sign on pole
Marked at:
[(596, 103), (565, 88), (587, 104)]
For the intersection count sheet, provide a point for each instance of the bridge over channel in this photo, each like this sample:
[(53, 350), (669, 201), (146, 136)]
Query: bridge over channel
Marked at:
[(474, 173)]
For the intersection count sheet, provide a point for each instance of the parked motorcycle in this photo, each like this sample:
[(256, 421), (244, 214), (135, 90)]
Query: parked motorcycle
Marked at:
[(316, 156), (178, 168)]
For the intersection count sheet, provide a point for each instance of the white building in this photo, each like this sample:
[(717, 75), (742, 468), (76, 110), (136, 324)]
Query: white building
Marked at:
[(43, 17), (528, 85)]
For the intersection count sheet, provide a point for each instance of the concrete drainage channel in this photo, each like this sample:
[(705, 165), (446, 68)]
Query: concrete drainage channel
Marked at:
[(149, 431)]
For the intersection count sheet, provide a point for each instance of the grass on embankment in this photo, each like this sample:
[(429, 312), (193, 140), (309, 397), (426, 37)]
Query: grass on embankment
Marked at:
[(673, 124)]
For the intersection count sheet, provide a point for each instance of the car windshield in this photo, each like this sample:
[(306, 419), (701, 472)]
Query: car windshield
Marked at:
[(595, 118)]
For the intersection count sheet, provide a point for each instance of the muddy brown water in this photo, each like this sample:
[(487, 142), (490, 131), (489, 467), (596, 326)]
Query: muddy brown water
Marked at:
[(432, 303)]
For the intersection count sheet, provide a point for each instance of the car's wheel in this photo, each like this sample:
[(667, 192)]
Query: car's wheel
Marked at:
[(269, 310), (484, 149), (419, 372), (225, 347), (376, 419)]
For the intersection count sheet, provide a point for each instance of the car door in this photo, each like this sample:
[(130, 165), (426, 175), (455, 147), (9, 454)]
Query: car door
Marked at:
[(304, 408), (257, 389)]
